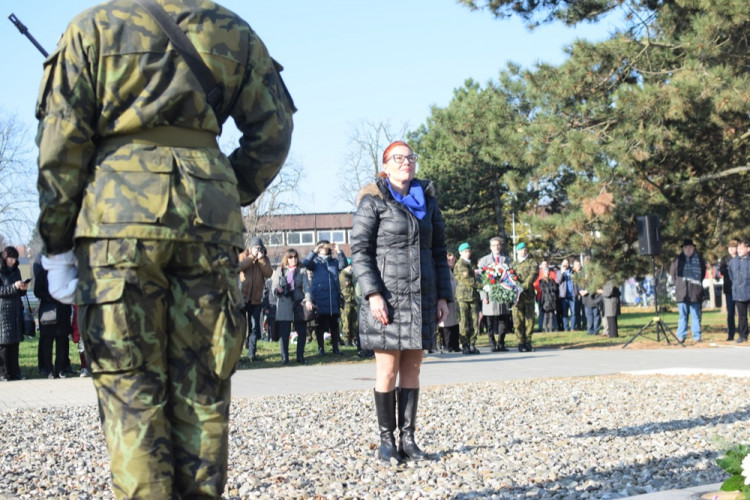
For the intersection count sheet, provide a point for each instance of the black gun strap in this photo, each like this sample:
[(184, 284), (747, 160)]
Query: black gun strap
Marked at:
[(187, 49)]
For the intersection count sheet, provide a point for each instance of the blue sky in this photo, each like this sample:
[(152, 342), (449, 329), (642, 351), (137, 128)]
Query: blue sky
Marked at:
[(346, 62)]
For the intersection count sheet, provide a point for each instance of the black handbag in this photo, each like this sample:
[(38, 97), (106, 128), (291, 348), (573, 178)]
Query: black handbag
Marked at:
[(29, 325), (302, 313)]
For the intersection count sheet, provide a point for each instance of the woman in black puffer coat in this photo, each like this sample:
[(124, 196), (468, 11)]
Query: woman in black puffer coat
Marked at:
[(11, 314), (399, 259)]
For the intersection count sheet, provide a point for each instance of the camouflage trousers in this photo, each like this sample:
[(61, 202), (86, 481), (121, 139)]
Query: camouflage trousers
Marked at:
[(349, 323), (523, 319), (163, 332), (467, 321)]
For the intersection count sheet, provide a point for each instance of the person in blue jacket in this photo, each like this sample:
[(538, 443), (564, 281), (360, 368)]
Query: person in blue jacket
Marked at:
[(325, 291)]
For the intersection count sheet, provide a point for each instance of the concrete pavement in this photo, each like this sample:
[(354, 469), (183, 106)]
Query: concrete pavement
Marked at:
[(438, 369)]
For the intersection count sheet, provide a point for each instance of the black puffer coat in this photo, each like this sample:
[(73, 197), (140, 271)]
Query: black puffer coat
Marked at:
[(404, 259), (11, 308)]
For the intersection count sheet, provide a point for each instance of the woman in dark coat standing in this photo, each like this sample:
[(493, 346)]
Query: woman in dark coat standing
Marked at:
[(55, 326), (399, 258), (11, 314), (325, 290)]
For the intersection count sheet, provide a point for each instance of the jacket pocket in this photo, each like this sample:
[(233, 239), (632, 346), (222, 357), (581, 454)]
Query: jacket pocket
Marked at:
[(105, 314), (212, 186), (129, 187), (103, 320)]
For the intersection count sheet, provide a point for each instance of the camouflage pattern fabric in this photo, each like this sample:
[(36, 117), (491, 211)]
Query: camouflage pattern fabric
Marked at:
[(114, 74), (468, 315), (523, 312), (467, 287), (349, 311), (163, 382), (131, 177)]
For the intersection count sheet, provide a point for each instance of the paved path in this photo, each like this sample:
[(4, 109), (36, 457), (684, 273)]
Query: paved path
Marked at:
[(437, 370)]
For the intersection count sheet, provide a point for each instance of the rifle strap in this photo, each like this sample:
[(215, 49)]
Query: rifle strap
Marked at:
[(189, 54)]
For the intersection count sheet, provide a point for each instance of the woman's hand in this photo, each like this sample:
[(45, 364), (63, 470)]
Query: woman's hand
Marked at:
[(335, 248), (309, 305), (21, 285), (442, 309), (378, 308)]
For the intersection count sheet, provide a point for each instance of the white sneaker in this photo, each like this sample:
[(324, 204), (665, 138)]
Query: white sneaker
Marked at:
[(85, 372)]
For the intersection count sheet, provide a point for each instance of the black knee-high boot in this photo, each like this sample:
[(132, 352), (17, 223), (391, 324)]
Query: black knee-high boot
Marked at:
[(385, 406), (407, 420)]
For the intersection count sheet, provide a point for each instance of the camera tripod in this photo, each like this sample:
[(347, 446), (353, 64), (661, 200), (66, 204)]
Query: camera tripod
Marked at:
[(661, 326)]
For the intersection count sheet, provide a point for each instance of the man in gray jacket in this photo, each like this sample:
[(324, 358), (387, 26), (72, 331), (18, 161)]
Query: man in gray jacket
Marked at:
[(498, 315)]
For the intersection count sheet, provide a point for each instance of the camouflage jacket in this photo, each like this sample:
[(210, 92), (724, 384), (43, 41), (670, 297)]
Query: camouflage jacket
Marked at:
[(346, 284), (527, 272), (466, 290), (127, 138)]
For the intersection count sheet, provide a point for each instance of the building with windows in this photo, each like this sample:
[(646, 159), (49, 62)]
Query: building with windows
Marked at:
[(302, 232)]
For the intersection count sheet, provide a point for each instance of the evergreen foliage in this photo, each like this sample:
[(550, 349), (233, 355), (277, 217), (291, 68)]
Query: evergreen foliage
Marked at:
[(653, 120)]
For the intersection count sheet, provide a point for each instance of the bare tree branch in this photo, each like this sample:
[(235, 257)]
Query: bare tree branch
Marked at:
[(362, 159), (18, 195)]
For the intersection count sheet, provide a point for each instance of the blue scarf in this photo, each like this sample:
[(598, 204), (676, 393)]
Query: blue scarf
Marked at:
[(414, 201)]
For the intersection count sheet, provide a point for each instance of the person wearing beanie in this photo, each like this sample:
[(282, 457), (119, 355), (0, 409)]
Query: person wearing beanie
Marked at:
[(466, 298), (255, 268), (526, 270), (11, 314)]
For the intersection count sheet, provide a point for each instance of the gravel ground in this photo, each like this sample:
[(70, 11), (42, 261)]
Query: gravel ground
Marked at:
[(577, 438)]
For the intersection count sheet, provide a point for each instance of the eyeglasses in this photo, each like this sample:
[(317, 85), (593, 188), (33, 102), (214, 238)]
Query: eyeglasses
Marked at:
[(292, 257), (399, 159)]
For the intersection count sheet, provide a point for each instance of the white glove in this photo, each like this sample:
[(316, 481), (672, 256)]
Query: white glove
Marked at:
[(62, 275)]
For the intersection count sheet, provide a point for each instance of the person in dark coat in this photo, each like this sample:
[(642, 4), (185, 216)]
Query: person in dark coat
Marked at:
[(739, 270), (325, 291), (548, 299), (727, 286), (55, 326), (687, 272), (399, 259), (611, 294), (11, 314)]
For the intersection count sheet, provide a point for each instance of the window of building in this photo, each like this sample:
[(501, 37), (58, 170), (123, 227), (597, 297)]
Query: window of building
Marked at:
[(337, 236), (300, 238), (273, 239)]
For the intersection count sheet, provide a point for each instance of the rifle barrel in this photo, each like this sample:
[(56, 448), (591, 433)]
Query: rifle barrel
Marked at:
[(25, 32)]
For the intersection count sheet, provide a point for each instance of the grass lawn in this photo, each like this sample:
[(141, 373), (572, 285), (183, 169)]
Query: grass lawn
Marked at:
[(632, 320)]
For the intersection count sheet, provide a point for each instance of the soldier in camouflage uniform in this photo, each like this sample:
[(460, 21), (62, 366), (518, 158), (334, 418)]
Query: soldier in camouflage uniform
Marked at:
[(135, 193), (466, 298), (349, 311), (526, 270)]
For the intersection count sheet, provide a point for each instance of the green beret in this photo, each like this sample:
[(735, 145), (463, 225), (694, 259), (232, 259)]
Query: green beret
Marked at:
[(521, 245), (463, 246)]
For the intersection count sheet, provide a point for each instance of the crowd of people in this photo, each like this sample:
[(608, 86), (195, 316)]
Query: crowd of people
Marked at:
[(57, 323), (141, 226)]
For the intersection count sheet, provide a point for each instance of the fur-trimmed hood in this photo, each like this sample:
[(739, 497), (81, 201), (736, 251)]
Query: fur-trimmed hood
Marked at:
[(379, 189)]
